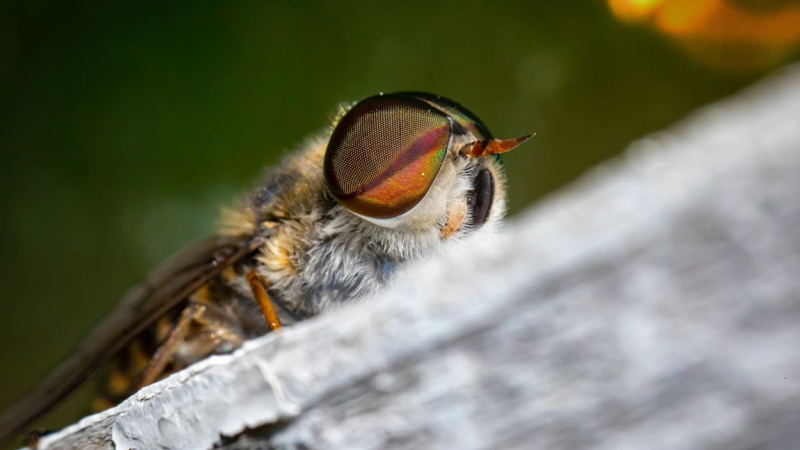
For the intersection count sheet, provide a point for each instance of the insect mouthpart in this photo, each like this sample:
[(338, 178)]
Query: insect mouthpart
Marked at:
[(481, 197)]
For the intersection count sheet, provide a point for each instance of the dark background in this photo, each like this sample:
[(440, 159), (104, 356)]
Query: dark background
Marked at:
[(125, 127)]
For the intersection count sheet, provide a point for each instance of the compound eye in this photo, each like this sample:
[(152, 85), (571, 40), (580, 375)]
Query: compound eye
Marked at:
[(385, 153)]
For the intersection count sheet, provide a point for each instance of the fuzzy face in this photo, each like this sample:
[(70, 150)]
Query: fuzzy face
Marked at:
[(340, 229)]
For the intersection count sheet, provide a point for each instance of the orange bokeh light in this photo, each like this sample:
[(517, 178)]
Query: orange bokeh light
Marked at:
[(634, 10), (720, 33)]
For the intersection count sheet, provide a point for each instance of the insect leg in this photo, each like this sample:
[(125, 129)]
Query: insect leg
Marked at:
[(211, 317), (263, 301), (167, 350)]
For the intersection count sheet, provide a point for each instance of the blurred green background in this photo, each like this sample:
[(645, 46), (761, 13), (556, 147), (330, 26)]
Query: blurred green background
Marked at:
[(125, 127)]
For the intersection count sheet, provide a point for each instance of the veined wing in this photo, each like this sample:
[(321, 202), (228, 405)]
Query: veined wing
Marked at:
[(164, 287)]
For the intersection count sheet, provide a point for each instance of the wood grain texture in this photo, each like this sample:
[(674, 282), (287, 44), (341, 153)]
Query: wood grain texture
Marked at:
[(653, 304)]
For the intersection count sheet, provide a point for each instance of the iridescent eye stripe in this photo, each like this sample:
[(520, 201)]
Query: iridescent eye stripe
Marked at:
[(409, 177), (418, 149)]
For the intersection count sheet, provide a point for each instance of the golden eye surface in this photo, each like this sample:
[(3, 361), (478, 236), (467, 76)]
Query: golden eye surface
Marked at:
[(385, 153)]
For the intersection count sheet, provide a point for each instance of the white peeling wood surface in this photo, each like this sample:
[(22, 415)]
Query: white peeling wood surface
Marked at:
[(653, 304)]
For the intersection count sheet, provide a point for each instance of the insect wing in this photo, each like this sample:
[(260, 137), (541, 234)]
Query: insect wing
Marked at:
[(164, 287)]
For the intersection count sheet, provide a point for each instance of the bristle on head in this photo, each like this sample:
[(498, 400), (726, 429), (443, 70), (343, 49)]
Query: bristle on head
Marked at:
[(491, 146)]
